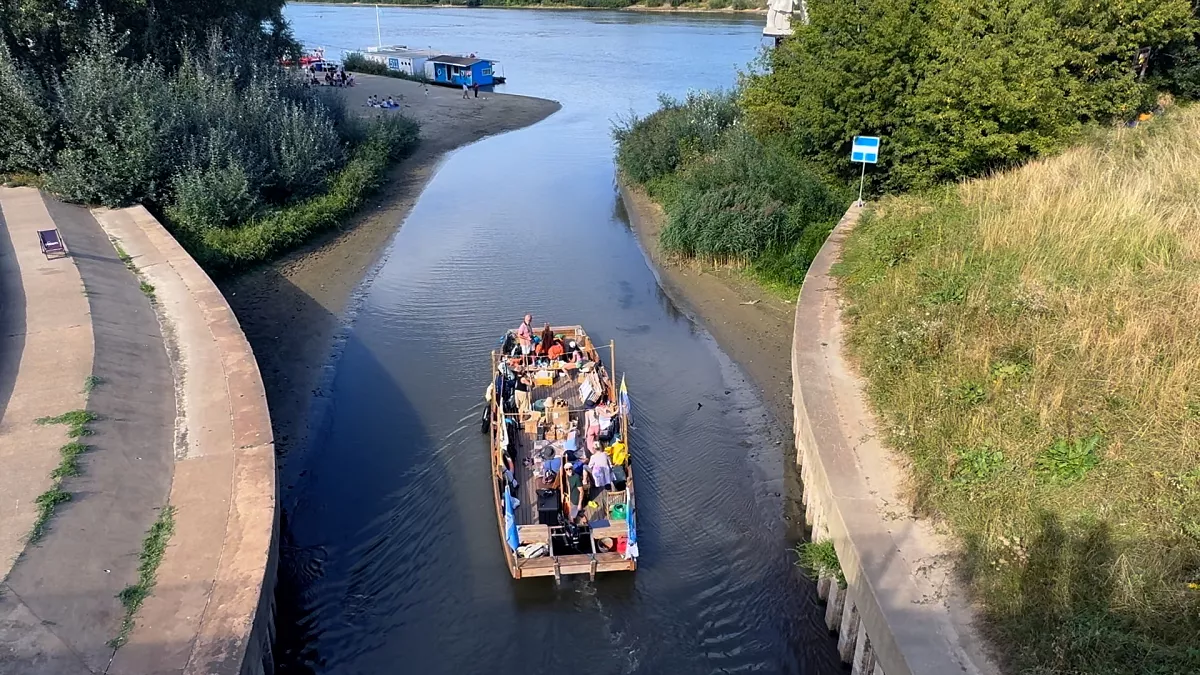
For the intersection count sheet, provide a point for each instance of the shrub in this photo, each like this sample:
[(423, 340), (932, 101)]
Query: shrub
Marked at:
[(718, 4), (680, 131), (25, 121), (742, 5), (230, 248), (746, 200), (654, 3), (361, 64)]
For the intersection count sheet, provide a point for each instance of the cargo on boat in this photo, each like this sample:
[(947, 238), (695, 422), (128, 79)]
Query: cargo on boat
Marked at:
[(560, 453)]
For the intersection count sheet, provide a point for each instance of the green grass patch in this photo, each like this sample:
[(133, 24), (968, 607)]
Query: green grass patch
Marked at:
[(147, 289), (1029, 344), (91, 382), (154, 546), (69, 464), (46, 503), (819, 559), (76, 421)]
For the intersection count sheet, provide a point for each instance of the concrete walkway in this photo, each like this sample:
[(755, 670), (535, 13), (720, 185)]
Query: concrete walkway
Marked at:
[(59, 606), (45, 355)]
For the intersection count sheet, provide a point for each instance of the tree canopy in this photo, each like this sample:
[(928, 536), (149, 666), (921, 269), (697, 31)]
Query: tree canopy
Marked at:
[(963, 87)]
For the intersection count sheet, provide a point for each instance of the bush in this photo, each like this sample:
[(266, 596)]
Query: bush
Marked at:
[(679, 132), (746, 200), (654, 3), (742, 5), (718, 4), (225, 249), (25, 120)]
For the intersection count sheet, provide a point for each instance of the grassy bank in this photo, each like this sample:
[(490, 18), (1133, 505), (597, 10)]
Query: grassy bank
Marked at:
[(1030, 343)]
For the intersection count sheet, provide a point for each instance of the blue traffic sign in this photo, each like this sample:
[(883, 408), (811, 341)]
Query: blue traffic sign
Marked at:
[(865, 150)]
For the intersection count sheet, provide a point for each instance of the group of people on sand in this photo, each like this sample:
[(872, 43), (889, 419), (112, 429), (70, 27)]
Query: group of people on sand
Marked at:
[(374, 101), (333, 78)]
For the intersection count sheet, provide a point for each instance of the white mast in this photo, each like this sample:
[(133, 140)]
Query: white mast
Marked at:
[(378, 34)]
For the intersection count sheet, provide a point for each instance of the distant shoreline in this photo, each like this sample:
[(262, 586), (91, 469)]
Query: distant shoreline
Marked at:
[(665, 9)]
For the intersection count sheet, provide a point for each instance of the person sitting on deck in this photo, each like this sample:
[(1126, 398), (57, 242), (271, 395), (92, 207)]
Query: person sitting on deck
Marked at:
[(555, 351), (547, 339)]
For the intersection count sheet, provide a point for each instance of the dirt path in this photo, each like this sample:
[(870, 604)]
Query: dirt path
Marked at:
[(290, 310)]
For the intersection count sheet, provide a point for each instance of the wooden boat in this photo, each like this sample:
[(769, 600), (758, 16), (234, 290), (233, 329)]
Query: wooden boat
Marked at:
[(529, 448)]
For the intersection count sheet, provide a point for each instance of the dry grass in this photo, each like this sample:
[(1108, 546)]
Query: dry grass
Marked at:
[(1033, 343)]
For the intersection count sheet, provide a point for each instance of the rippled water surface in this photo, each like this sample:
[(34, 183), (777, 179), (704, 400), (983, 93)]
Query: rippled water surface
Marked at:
[(391, 560)]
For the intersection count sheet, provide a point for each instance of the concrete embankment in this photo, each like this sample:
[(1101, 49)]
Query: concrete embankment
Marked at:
[(900, 612), (210, 611), (127, 328)]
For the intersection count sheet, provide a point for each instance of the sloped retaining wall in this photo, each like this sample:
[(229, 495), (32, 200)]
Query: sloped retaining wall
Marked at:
[(210, 612), (890, 618)]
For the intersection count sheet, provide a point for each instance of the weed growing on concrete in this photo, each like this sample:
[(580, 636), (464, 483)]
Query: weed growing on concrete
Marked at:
[(153, 548), (147, 290), (91, 382), (46, 503), (69, 464), (123, 256), (819, 559), (76, 420)]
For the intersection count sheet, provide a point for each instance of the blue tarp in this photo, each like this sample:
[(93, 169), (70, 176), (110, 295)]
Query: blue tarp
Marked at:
[(510, 521)]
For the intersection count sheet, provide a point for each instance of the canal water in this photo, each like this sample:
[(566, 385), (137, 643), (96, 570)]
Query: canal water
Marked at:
[(391, 561)]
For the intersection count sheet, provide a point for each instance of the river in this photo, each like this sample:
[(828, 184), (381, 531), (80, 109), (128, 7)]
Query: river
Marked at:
[(391, 561)]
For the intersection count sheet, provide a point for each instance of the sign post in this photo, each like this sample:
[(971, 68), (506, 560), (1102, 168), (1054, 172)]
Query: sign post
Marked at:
[(866, 150)]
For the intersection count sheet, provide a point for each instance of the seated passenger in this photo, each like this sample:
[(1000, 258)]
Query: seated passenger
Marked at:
[(556, 349)]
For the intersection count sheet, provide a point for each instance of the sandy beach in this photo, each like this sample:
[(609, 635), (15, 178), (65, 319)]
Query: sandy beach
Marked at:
[(291, 309)]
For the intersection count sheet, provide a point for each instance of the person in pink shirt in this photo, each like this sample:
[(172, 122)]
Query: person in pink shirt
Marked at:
[(525, 334)]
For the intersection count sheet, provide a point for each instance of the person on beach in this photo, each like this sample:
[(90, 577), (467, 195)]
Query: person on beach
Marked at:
[(465, 90), (475, 87)]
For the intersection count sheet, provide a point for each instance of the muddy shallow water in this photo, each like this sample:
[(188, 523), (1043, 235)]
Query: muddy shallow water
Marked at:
[(391, 561)]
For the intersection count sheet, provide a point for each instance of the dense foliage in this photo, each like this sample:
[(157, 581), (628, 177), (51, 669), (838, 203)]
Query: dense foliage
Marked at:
[(389, 138), (962, 87), (1028, 341), (45, 34), (212, 136), (728, 196)]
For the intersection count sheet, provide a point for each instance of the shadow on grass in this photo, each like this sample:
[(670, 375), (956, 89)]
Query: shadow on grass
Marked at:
[(1065, 614)]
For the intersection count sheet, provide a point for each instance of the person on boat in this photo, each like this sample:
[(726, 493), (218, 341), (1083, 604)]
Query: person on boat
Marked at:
[(546, 339), (555, 351), (521, 394), (525, 334), (575, 490), (600, 467)]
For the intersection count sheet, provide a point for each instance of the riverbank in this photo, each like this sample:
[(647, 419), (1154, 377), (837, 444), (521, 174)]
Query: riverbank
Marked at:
[(664, 8), (291, 309), (753, 325)]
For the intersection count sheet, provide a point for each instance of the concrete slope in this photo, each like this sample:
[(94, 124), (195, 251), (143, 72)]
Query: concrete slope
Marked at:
[(209, 613)]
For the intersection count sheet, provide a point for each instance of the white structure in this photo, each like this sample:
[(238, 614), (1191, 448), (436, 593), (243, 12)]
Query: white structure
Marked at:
[(400, 58), (779, 17)]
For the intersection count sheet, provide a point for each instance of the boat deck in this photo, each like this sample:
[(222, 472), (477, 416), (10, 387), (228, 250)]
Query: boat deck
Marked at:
[(528, 466)]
